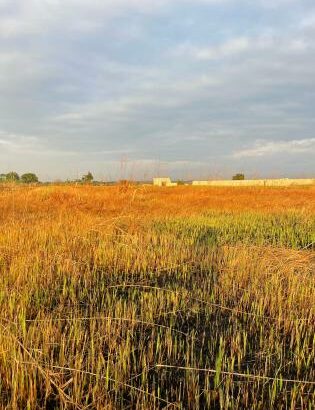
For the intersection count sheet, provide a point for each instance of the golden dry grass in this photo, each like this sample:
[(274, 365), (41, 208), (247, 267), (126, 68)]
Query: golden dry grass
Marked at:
[(155, 201), (139, 297)]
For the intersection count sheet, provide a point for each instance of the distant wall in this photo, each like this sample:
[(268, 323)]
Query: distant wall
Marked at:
[(258, 182)]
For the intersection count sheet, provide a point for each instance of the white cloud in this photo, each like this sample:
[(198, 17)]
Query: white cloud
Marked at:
[(308, 21), (239, 46), (229, 48), (267, 148), (171, 93), (24, 17), (14, 142)]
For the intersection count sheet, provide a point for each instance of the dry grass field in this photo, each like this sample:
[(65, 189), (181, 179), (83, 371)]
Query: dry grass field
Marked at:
[(148, 298)]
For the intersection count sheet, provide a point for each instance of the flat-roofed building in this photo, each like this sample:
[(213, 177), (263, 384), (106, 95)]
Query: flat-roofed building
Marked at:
[(164, 181)]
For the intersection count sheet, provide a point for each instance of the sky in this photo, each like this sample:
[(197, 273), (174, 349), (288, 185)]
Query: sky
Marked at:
[(136, 88)]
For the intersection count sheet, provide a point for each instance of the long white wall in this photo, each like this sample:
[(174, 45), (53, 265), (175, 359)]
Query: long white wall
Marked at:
[(258, 182)]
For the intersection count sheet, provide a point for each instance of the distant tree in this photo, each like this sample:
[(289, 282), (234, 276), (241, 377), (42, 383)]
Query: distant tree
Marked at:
[(88, 177), (29, 178), (3, 177), (12, 177), (238, 177)]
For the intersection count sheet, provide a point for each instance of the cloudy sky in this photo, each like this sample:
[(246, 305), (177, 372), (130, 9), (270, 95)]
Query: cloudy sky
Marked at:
[(132, 88)]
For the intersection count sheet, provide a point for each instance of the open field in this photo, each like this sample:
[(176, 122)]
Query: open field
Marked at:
[(148, 298)]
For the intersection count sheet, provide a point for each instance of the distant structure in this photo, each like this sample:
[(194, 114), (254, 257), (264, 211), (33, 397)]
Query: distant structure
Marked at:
[(285, 182), (166, 181)]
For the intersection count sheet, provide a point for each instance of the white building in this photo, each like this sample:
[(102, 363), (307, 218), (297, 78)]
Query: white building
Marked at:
[(165, 181)]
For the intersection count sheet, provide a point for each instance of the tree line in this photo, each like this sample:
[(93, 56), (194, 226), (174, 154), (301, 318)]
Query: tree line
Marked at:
[(31, 178), (27, 178)]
